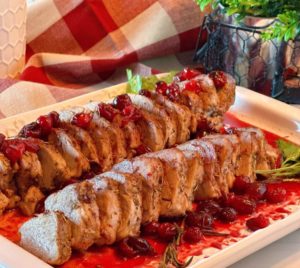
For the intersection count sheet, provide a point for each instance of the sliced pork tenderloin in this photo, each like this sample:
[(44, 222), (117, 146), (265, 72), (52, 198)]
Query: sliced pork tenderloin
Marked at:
[(30, 200)]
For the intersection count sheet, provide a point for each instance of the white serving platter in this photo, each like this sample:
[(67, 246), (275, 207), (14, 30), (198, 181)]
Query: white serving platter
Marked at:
[(250, 107)]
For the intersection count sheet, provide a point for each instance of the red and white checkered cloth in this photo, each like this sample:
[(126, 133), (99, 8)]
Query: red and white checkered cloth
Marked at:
[(77, 46)]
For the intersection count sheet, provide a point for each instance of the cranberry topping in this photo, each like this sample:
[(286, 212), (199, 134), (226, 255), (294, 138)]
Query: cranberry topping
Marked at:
[(193, 86), (107, 111), (13, 150), (241, 184), (145, 93), (173, 92), (55, 118), (132, 113), (227, 130), (209, 206), (256, 190), (219, 78), (186, 74), (161, 87), (142, 149), (275, 194), (227, 214), (46, 124), (33, 130), (242, 204), (201, 219), (121, 101), (82, 120), (125, 250), (150, 228), (192, 235), (167, 231), (140, 245), (257, 223)]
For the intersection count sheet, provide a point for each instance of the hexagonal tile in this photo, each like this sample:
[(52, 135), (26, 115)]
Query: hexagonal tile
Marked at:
[(8, 54), (4, 6), (14, 36), (14, 5), (13, 68), (20, 16), (3, 70), (4, 37), (19, 50), (8, 20)]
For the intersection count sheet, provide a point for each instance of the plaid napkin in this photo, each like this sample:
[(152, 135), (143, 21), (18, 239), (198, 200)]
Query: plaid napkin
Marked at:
[(78, 46)]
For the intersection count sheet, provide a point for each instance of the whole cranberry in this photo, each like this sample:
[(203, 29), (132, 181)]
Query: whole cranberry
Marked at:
[(145, 93), (219, 78), (256, 190), (121, 101), (201, 219), (31, 144), (173, 92), (140, 245), (257, 223), (13, 151), (192, 234), (33, 130), (167, 231), (142, 149), (161, 87), (82, 120), (107, 111), (126, 250), (193, 86), (240, 184), (242, 204), (186, 74), (132, 113), (150, 228), (46, 124), (55, 118), (275, 194), (227, 214), (210, 206)]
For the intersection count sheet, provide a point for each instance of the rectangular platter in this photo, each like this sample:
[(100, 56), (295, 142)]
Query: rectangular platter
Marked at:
[(250, 107)]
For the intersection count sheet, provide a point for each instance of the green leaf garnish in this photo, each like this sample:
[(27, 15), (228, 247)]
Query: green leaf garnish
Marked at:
[(134, 82)]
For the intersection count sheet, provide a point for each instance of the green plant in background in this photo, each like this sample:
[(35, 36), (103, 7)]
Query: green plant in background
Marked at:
[(286, 13)]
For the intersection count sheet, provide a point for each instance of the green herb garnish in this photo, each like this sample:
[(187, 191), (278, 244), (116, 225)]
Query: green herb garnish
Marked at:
[(134, 82), (291, 161), (170, 254), (286, 13)]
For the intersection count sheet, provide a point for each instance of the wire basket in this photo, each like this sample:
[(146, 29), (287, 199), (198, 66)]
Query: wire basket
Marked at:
[(268, 67)]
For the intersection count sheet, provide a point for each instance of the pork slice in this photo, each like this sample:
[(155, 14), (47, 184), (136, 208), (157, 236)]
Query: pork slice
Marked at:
[(117, 138), (107, 198), (183, 113), (130, 198), (169, 125), (226, 94), (132, 136), (78, 203), (195, 173), (174, 198), (6, 173), (76, 162), (30, 200), (152, 172), (151, 131), (84, 139), (4, 202), (54, 167), (209, 187), (47, 236)]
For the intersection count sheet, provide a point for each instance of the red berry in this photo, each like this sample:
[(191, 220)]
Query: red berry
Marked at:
[(31, 145), (167, 231), (13, 150), (55, 118), (209, 206), (33, 130), (46, 124), (187, 74), (107, 111), (150, 228), (132, 113), (256, 190), (140, 245), (193, 86), (82, 120), (2, 138), (241, 184), (192, 234), (219, 78), (121, 101), (126, 250), (242, 205), (227, 130), (173, 92), (227, 214), (201, 219), (161, 87), (142, 149), (145, 93), (275, 194), (257, 223)]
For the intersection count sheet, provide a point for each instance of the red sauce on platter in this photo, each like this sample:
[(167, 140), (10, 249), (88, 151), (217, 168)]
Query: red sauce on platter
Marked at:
[(103, 257)]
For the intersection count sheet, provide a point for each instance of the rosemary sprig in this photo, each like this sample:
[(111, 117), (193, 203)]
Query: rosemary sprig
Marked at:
[(170, 254)]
